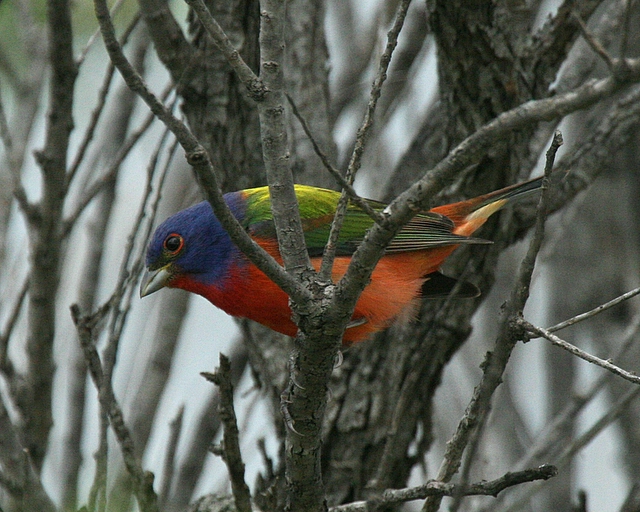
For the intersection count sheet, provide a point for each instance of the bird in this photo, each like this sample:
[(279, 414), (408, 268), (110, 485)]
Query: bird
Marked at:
[(192, 251)]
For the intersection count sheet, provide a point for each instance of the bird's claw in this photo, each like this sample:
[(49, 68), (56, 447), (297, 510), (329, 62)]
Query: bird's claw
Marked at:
[(339, 359), (284, 410)]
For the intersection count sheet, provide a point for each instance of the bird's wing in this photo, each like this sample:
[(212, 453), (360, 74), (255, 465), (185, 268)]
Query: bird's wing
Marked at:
[(317, 209)]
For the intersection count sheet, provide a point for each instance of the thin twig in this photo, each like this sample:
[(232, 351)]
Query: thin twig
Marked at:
[(11, 322), (552, 433), (440, 489), (594, 311), (361, 137), (595, 44), (558, 342), (342, 182), (376, 89), (99, 108), (14, 167), (110, 174), (175, 429), (142, 480), (230, 450), (125, 286)]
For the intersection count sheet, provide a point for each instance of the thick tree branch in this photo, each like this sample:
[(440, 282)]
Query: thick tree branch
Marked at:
[(275, 150), (35, 401)]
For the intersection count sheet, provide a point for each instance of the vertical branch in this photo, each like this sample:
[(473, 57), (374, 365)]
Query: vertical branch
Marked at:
[(142, 480), (111, 141), (175, 429), (230, 442), (206, 429), (17, 476), (274, 139), (496, 361), (45, 235), (361, 137)]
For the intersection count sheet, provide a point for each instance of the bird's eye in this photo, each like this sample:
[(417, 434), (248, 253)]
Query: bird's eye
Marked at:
[(174, 243)]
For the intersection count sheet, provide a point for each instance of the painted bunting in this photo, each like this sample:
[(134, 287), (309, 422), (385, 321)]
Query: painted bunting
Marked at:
[(191, 251)]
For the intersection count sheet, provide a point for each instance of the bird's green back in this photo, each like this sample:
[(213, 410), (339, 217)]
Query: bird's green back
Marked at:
[(317, 210)]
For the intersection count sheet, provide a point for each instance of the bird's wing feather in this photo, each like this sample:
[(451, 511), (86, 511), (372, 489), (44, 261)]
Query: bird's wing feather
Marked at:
[(317, 208)]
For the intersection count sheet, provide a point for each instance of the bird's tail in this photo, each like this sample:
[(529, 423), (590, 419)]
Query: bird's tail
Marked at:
[(471, 214), (488, 204)]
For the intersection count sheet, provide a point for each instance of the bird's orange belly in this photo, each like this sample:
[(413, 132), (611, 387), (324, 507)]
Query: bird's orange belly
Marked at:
[(391, 294)]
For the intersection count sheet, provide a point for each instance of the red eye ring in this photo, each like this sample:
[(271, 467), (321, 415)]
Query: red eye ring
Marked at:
[(173, 244)]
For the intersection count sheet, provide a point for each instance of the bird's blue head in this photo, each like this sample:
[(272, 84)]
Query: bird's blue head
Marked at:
[(190, 247)]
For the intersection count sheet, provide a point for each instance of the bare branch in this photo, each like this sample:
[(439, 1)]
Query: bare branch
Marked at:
[(99, 108), (376, 89), (595, 44), (595, 311), (34, 401), (5, 335), (558, 342), (440, 489), (342, 182), (256, 88), (361, 137), (205, 431), (275, 150), (111, 173), (230, 449), (14, 166), (467, 433), (131, 265), (170, 457), (550, 441), (521, 290), (143, 480)]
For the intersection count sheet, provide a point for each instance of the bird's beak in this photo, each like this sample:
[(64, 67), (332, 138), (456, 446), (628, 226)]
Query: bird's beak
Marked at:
[(153, 280)]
